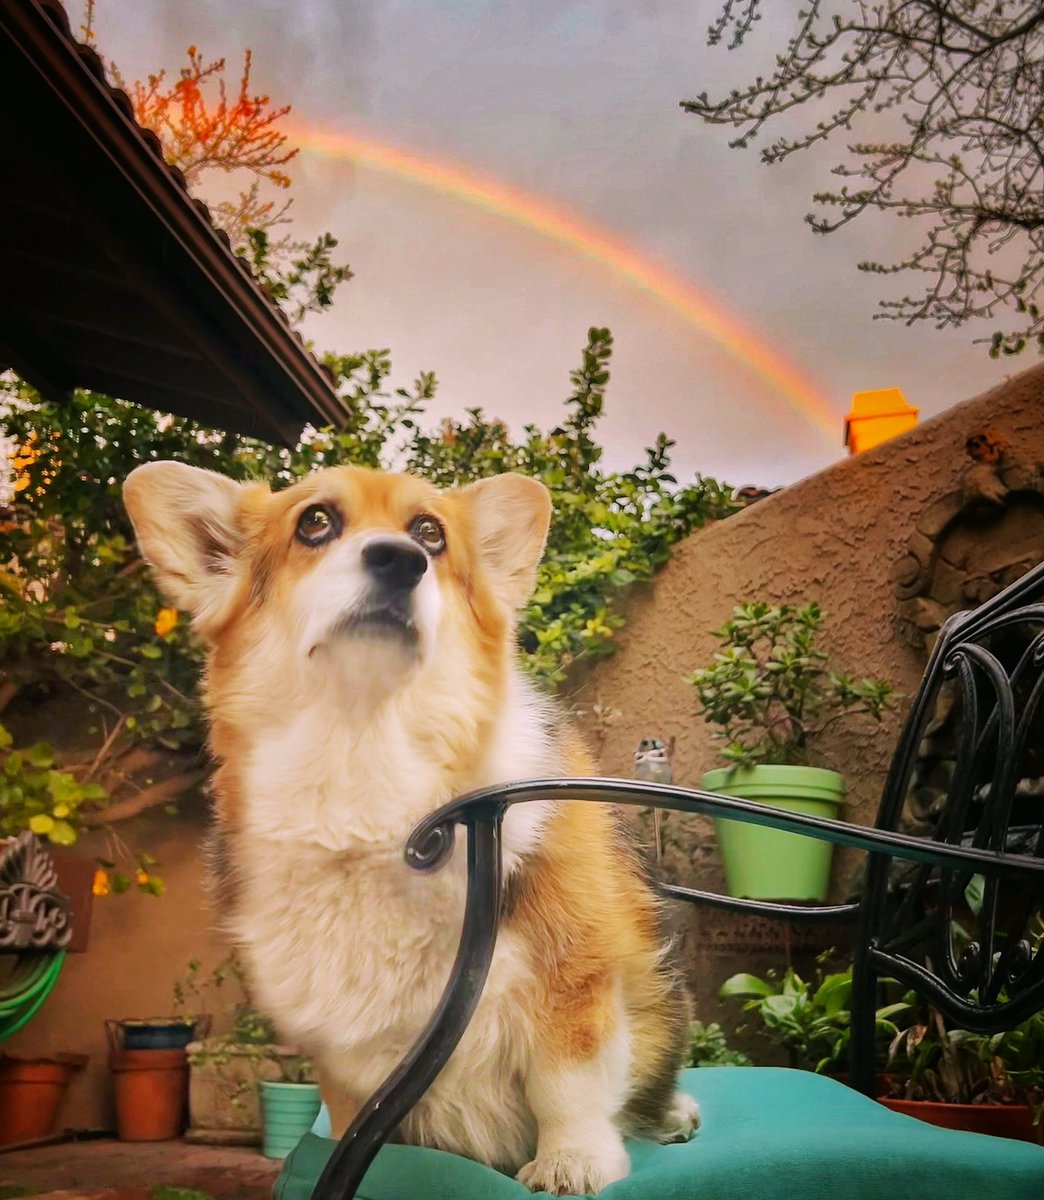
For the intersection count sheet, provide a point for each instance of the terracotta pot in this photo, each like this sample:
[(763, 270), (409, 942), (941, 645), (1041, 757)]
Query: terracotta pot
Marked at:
[(31, 1093), (1001, 1120), (151, 1093)]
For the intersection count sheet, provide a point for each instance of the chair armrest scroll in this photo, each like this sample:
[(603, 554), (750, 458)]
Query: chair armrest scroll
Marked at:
[(386, 1108)]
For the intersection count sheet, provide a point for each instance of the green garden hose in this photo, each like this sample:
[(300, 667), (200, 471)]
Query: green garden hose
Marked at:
[(27, 987)]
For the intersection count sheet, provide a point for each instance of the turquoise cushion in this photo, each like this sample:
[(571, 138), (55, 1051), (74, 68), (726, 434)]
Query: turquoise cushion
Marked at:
[(767, 1134)]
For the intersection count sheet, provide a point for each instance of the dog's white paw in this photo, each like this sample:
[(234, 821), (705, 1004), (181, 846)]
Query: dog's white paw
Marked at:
[(569, 1172), (681, 1121)]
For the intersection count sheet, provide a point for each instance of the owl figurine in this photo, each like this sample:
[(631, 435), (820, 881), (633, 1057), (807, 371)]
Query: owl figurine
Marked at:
[(652, 762)]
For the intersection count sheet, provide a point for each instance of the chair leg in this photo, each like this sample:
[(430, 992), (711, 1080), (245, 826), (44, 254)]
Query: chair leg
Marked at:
[(862, 1047)]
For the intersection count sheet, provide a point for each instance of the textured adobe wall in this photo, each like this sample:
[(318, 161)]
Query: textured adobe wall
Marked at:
[(842, 537)]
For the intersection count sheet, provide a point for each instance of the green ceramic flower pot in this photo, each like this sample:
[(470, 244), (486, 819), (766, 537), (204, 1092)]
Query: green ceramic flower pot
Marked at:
[(765, 864), (288, 1110)]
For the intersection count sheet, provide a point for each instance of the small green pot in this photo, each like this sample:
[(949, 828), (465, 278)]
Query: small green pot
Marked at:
[(288, 1110), (765, 864)]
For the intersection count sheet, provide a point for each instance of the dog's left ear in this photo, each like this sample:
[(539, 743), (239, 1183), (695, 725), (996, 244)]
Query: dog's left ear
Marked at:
[(511, 515)]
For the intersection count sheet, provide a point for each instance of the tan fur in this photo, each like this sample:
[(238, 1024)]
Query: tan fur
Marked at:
[(331, 747)]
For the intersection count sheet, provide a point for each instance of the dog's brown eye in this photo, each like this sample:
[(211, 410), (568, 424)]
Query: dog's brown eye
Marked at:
[(318, 524), (429, 533)]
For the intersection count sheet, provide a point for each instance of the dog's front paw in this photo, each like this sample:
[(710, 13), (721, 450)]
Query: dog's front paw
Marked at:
[(683, 1118), (569, 1172)]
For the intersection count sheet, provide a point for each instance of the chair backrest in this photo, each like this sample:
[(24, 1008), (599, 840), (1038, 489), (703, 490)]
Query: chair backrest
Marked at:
[(968, 771), (981, 963)]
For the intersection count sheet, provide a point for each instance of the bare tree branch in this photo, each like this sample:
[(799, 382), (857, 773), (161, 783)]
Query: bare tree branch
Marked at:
[(959, 85), (151, 797)]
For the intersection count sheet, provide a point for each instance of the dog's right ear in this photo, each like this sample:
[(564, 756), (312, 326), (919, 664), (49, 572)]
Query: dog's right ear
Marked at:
[(188, 526)]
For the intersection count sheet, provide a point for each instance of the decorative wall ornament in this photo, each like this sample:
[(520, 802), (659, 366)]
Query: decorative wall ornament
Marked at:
[(967, 546), (973, 541), (34, 915)]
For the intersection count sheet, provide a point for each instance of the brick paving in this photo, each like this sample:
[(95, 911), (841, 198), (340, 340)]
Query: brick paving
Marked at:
[(111, 1170)]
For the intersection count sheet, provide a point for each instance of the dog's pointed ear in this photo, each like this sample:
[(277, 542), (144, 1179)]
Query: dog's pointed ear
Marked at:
[(511, 515), (188, 526)]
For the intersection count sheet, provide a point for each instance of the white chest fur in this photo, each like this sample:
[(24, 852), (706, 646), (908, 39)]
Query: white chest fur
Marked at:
[(349, 949)]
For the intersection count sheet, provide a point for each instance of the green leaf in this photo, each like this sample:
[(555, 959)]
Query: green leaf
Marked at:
[(40, 755), (745, 985), (63, 834), (974, 892)]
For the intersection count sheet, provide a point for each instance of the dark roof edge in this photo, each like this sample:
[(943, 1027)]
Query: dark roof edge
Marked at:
[(107, 115)]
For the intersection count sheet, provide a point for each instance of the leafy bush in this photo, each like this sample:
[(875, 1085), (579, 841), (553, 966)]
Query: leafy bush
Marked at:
[(82, 616), (769, 691)]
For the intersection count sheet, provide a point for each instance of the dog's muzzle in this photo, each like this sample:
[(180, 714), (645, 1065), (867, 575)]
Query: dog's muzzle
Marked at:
[(394, 567)]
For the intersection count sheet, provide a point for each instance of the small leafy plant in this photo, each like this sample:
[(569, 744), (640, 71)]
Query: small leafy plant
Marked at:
[(709, 1048), (769, 690), (812, 1021), (252, 1040)]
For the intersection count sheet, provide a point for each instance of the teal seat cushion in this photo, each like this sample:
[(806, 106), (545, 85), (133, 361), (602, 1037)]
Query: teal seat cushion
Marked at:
[(767, 1134)]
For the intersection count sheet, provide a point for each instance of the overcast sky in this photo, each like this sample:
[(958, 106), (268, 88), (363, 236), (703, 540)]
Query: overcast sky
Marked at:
[(576, 103)]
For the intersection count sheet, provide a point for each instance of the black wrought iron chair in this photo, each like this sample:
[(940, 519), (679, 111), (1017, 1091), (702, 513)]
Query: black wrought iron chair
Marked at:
[(983, 970)]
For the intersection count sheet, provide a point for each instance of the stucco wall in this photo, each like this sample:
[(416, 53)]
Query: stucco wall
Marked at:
[(841, 537), (848, 537)]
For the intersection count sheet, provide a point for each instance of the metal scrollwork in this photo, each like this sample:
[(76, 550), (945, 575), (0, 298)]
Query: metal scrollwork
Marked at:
[(430, 846), (980, 716), (34, 915)]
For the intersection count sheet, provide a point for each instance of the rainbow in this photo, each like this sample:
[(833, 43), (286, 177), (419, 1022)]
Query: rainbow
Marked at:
[(557, 223)]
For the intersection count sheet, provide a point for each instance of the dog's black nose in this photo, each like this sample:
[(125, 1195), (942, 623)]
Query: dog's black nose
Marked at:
[(393, 563)]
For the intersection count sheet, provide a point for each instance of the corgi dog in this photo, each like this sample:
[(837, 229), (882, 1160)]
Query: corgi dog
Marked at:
[(360, 628)]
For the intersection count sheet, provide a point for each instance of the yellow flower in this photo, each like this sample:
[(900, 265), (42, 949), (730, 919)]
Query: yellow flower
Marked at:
[(166, 620), (100, 887), (142, 877)]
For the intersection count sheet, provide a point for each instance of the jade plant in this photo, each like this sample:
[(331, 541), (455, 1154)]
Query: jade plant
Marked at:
[(770, 691)]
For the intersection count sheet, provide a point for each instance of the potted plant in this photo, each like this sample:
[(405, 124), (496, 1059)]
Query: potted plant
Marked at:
[(149, 1065), (225, 1070), (180, 1028), (963, 1080), (770, 694), (811, 1021), (289, 1105)]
